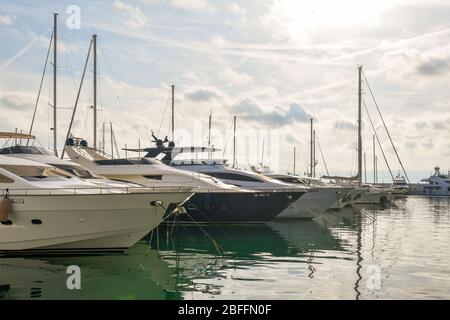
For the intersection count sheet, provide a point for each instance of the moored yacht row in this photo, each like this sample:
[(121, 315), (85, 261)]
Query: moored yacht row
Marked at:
[(95, 201)]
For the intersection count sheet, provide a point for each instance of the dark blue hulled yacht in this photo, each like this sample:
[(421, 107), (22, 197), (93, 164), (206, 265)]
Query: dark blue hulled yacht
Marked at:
[(269, 197), (213, 201)]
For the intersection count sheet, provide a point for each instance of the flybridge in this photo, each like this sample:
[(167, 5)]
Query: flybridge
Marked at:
[(167, 153), (170, 153)]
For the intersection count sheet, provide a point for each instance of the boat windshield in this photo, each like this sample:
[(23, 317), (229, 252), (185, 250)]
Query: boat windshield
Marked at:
[(24, 150), (121, 162), (36, 173), (77, 171)]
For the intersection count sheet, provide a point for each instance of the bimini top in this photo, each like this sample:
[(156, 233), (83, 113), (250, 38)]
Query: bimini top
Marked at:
[(15, 135)]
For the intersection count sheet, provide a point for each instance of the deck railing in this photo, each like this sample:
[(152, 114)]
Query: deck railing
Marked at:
[(131, 190)]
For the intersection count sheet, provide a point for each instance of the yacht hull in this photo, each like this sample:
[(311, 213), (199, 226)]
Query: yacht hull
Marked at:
[(371, 197), (232, 207), (314, 202), (83, 222)]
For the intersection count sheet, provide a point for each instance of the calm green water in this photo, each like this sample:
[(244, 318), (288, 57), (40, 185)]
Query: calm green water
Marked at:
[(398, 252)]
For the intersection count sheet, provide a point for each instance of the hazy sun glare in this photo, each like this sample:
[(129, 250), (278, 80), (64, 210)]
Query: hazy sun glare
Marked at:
[(329, 13)]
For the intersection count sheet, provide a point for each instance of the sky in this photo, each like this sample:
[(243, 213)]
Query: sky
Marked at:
[(273, 64)]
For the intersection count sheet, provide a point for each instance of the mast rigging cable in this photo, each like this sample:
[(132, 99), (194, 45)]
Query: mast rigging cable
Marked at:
[(385, 127)]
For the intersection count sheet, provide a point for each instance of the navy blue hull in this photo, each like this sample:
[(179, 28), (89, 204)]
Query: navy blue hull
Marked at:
[(238, 206)]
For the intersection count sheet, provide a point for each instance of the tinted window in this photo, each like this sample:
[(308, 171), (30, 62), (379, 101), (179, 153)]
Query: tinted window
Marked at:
[(4, 179), (121, 162), (290, 180), (24, 150), (232, 176), (153, 177)]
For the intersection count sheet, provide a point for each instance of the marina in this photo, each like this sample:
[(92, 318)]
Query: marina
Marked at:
[(333, 258), (122, 194)]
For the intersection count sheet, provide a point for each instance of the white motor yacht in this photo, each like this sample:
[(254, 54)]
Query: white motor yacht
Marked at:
[(399, 187), (303, 208), (438, 184), (44, 208)]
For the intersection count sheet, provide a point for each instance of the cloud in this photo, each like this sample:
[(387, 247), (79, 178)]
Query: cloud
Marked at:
[(250, 109), (428, 143), (138, 19), (421, 124), (193, 5), (6, 20), (433, 66), (16, 100), (439, 125), (201, 95), (291, 139), (345, 125)]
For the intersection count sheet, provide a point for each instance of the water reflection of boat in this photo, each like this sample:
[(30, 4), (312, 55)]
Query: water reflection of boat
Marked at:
[(306, 235), (137, 274)]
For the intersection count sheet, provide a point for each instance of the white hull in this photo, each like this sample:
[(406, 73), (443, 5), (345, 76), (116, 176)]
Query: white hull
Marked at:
[(312, 203), (83, 222)]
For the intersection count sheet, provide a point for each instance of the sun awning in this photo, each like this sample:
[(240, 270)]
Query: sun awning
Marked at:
[(15, 135)]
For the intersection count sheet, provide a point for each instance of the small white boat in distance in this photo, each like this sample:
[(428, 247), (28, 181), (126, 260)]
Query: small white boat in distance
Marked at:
[(399, 187), (437, 184), (46, 209)]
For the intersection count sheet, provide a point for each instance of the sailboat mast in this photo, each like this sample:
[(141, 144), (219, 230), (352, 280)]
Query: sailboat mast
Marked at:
[(103, 138), (314, 153), (376, 169), (234, 142), (365, 169), (112, 137), (311, 152), (173, 112), (209, 129), (374, 160), (262, 155), (294, 158), (359, 127), (55, 47), (94, 40)]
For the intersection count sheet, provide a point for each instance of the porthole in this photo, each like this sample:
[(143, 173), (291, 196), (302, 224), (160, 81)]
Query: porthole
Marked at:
[(7, 222), (36, 221)]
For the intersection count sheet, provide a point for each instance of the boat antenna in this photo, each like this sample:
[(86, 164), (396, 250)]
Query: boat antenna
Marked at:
[(385, 127), (78, 96), (55, 47)]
